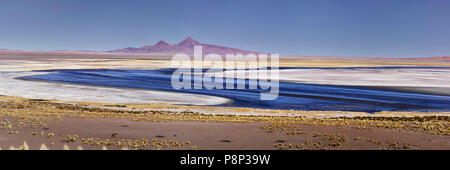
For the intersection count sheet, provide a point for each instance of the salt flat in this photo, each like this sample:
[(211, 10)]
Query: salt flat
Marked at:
[(79, 93), (431, 81), (421, 80)]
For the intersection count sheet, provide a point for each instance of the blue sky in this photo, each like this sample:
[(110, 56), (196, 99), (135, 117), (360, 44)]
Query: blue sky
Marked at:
[(364, 28)]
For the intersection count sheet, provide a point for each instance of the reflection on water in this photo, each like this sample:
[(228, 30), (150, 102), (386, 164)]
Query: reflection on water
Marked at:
[(292, 96)]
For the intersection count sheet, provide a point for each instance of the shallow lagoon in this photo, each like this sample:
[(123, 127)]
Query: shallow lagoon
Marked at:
[(292, 96)]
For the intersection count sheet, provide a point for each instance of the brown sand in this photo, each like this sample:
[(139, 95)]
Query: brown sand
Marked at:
[(214, 135), (55, 125)]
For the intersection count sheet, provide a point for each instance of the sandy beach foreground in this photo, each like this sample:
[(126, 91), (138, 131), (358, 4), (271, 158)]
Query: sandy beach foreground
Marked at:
[(42, 115)]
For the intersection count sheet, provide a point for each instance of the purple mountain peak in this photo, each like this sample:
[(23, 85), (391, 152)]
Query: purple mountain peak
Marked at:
[(188, 42), (162, 44), (186, 46)]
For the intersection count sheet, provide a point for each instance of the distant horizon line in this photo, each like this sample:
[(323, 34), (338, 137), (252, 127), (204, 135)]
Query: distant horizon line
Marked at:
[(284, 56), (189, 38)]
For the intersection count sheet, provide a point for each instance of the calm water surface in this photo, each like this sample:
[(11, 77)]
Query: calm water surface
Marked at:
[(292, 96)]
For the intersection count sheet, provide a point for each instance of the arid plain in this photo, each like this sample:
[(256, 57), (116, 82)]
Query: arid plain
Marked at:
[(47, 115)]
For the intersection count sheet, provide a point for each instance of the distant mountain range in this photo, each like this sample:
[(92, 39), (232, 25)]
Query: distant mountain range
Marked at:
[(6, 50), (186, 46)]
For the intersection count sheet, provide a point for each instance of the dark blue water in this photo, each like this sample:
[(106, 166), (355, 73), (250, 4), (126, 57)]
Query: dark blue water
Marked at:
[(292, 96)]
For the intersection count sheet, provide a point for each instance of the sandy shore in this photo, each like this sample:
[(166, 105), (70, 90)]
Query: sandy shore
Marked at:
[(57, 125)]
